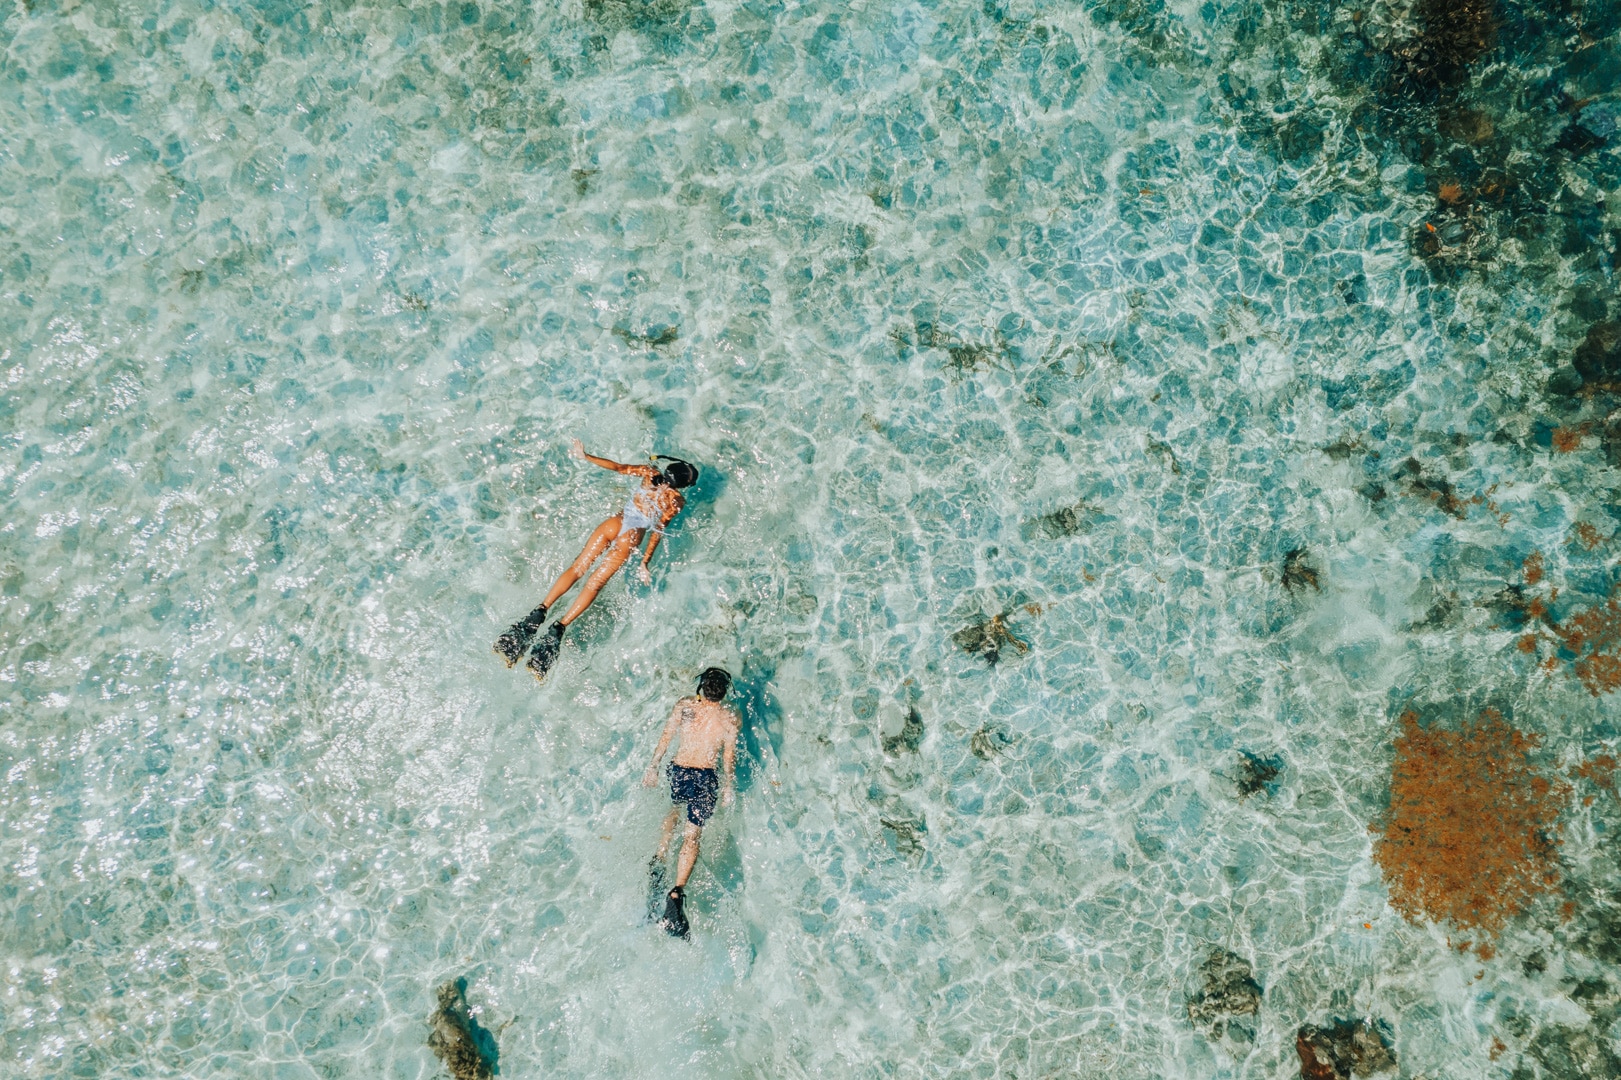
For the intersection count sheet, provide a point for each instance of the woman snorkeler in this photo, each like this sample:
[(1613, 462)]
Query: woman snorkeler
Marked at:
[(649, 509)]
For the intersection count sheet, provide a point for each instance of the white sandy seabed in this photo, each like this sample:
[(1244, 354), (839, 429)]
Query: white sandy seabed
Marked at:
[(962, 311)]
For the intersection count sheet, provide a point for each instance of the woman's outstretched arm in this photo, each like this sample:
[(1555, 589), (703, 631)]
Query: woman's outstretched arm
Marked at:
[(578, 450)]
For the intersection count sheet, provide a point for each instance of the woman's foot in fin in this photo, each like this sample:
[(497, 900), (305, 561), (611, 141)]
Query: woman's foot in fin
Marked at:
[(510, 645), (544, 654), (675, 917)]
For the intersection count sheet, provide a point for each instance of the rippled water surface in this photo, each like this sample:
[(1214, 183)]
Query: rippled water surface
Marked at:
[(1157, 330)]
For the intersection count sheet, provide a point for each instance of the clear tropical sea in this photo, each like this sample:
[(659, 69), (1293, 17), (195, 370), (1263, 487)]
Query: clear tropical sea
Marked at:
[(1225, 350)]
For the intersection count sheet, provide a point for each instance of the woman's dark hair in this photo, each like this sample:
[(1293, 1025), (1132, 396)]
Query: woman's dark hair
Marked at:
[(714, 682), (678, 473)]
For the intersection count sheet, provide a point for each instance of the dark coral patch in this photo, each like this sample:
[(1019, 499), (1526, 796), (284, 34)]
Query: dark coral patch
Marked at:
[(1342, 1049), (1257, 774), (467, 1049), (1228, 990)]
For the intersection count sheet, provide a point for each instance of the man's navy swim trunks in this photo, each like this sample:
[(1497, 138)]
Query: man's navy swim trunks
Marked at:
[(697, 788)]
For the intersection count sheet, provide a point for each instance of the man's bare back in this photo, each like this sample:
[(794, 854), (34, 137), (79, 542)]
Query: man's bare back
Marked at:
[(707, 729)]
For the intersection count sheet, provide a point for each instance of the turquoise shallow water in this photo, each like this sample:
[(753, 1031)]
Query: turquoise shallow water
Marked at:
[(301, 306)]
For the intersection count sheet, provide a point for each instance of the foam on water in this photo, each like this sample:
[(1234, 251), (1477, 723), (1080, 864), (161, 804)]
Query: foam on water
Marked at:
[(1088, 315)]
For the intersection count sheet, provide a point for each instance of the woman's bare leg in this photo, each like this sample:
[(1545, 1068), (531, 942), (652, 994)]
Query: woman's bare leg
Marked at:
[(595, 545), (621, 550)]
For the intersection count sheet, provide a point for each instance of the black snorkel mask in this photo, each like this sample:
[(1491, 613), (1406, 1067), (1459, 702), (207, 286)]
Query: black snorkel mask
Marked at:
[(679, 473)]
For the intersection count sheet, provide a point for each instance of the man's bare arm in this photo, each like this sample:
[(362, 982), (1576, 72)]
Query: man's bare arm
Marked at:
[(651, 777)]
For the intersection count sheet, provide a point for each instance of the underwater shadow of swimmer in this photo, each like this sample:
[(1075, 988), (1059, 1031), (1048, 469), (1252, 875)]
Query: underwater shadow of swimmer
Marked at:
[(702, 496), (762, 725)]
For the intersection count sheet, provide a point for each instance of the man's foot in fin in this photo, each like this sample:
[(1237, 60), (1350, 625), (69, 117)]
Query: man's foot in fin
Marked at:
[(675, 919), (510, 645), (544, 654), (656, 875)]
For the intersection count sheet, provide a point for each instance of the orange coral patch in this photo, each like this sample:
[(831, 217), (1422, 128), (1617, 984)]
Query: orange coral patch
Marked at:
[(1588, 536), (1471, 834), (1599, 771), (1566, 440), (1600, 673), (1527, 644), (1533, 568), (1594, 636)]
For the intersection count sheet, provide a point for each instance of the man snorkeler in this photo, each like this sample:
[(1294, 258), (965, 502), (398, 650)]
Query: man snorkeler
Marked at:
[(706, 728), (649, 509)]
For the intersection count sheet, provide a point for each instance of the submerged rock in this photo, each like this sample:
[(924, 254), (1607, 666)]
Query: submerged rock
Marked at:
[(907, 833), (1298, 573), (1342, 449), (1516, 606), (1256, 774), (1437, 490), (910, 737), (987, 742), (1344, 1049), (1061, 523), (1437, 604), (987, 637), (1474, 126), (1598, 357), (1229, 990), (1455, 34), (1609, 439), (963, 357), (1578, 140), (467, 1049), (645, 16), (1571, 1053), (651, 338), (1166, 453)]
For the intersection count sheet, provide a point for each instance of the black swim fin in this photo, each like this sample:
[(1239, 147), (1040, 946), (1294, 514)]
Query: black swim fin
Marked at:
[(510, 645), (544, 654), (675, 918)]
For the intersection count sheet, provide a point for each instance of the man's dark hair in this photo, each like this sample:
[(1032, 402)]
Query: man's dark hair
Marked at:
[(714, 682)]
